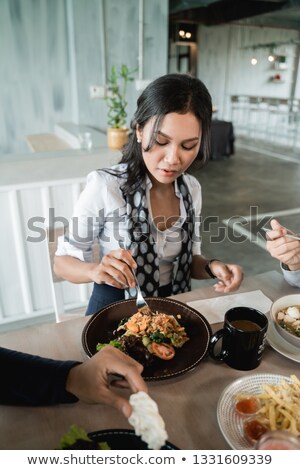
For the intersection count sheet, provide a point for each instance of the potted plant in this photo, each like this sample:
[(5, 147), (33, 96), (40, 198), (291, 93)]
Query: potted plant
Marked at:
[(117, 132)]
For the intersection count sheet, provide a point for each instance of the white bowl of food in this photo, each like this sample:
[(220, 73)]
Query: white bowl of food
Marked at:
[(285, 314)]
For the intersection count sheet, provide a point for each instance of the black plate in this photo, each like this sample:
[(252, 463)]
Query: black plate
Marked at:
[(100, 327), (124, 439)]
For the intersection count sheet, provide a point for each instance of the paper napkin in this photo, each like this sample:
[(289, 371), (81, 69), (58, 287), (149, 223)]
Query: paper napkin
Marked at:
[(214, 309)]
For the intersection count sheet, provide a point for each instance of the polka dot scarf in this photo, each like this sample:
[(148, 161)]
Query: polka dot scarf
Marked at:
[(144, 246)]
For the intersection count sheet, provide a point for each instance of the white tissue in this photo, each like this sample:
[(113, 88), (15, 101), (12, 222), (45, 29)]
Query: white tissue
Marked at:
[(215, 308), (146, 420)]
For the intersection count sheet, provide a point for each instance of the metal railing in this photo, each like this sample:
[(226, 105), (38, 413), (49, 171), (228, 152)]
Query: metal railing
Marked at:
[(268, 119)]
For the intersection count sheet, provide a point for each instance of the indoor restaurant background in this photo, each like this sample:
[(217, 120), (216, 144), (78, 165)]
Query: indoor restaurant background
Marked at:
[(55, 52)]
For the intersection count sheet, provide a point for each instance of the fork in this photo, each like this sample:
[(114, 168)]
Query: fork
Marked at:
[(287, 235), (140, 301)]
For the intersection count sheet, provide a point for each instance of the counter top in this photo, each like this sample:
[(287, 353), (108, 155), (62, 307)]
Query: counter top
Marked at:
[(19, 171)]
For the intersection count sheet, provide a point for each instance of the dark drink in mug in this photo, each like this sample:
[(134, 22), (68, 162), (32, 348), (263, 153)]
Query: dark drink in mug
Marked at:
[(243, 338)]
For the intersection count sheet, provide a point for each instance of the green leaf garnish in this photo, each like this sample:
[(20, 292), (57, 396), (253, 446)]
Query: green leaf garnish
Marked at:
[(74, 433), (77, 433), (114, 342)]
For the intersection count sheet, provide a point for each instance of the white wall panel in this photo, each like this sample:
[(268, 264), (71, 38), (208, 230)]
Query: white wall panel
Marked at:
[(28, 188), (25, 282), (62, 200), (32, 208), (10, 286)]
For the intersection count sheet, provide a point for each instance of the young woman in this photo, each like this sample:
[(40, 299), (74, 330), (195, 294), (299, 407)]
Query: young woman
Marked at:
[(145, 211)]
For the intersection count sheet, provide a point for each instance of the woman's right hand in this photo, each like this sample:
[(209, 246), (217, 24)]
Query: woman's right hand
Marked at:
[(286, 250), (115, 269)]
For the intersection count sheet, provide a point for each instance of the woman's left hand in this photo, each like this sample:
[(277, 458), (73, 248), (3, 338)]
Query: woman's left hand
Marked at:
[(230, 276)]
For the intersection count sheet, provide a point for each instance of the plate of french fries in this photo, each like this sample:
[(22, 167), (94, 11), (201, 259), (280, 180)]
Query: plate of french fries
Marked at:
[(279, 406)]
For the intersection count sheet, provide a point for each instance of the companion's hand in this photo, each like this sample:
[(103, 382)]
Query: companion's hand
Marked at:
[(90, 381), (229, 276), (115, 269), (286, 250)]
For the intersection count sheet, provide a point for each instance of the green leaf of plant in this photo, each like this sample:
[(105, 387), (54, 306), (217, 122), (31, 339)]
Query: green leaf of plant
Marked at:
[(116, 98)]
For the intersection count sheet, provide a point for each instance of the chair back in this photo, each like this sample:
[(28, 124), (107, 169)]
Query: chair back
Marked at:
[(56, 286), (53, 233), (52, 238)]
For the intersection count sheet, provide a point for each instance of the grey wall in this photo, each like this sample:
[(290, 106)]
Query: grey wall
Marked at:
[(53, 50), (224, 65), (35, 69)]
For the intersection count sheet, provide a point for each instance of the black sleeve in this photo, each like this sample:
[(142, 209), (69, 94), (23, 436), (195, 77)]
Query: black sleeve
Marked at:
[(32, 380)]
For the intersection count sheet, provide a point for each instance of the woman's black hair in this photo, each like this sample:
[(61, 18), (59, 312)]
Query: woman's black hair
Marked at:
[(172, 93)]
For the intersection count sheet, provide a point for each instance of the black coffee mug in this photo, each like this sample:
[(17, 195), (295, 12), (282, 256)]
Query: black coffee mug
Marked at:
[(243, 338)]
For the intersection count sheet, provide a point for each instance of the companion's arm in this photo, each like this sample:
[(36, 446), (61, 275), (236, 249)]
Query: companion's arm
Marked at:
[(33, 380)]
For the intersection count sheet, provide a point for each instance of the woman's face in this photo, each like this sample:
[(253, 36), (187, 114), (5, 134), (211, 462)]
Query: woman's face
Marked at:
[(176, 146)]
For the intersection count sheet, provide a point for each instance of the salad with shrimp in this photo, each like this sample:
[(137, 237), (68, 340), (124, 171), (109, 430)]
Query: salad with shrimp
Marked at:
[(146, 335)]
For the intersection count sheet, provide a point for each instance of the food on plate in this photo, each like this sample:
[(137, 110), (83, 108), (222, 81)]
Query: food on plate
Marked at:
[(279, 408), (289, 319), (146, 335), (77, 438), (146, 420)]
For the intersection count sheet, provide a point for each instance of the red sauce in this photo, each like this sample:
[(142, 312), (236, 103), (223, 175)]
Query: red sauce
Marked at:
[(247, 405), (254, 429)]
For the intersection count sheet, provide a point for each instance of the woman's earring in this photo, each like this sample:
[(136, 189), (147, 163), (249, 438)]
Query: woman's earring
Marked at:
[(138, 140)]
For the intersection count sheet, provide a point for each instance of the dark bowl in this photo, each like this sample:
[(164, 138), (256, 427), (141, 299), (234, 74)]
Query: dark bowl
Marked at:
[(124, 439), (100, 327)]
